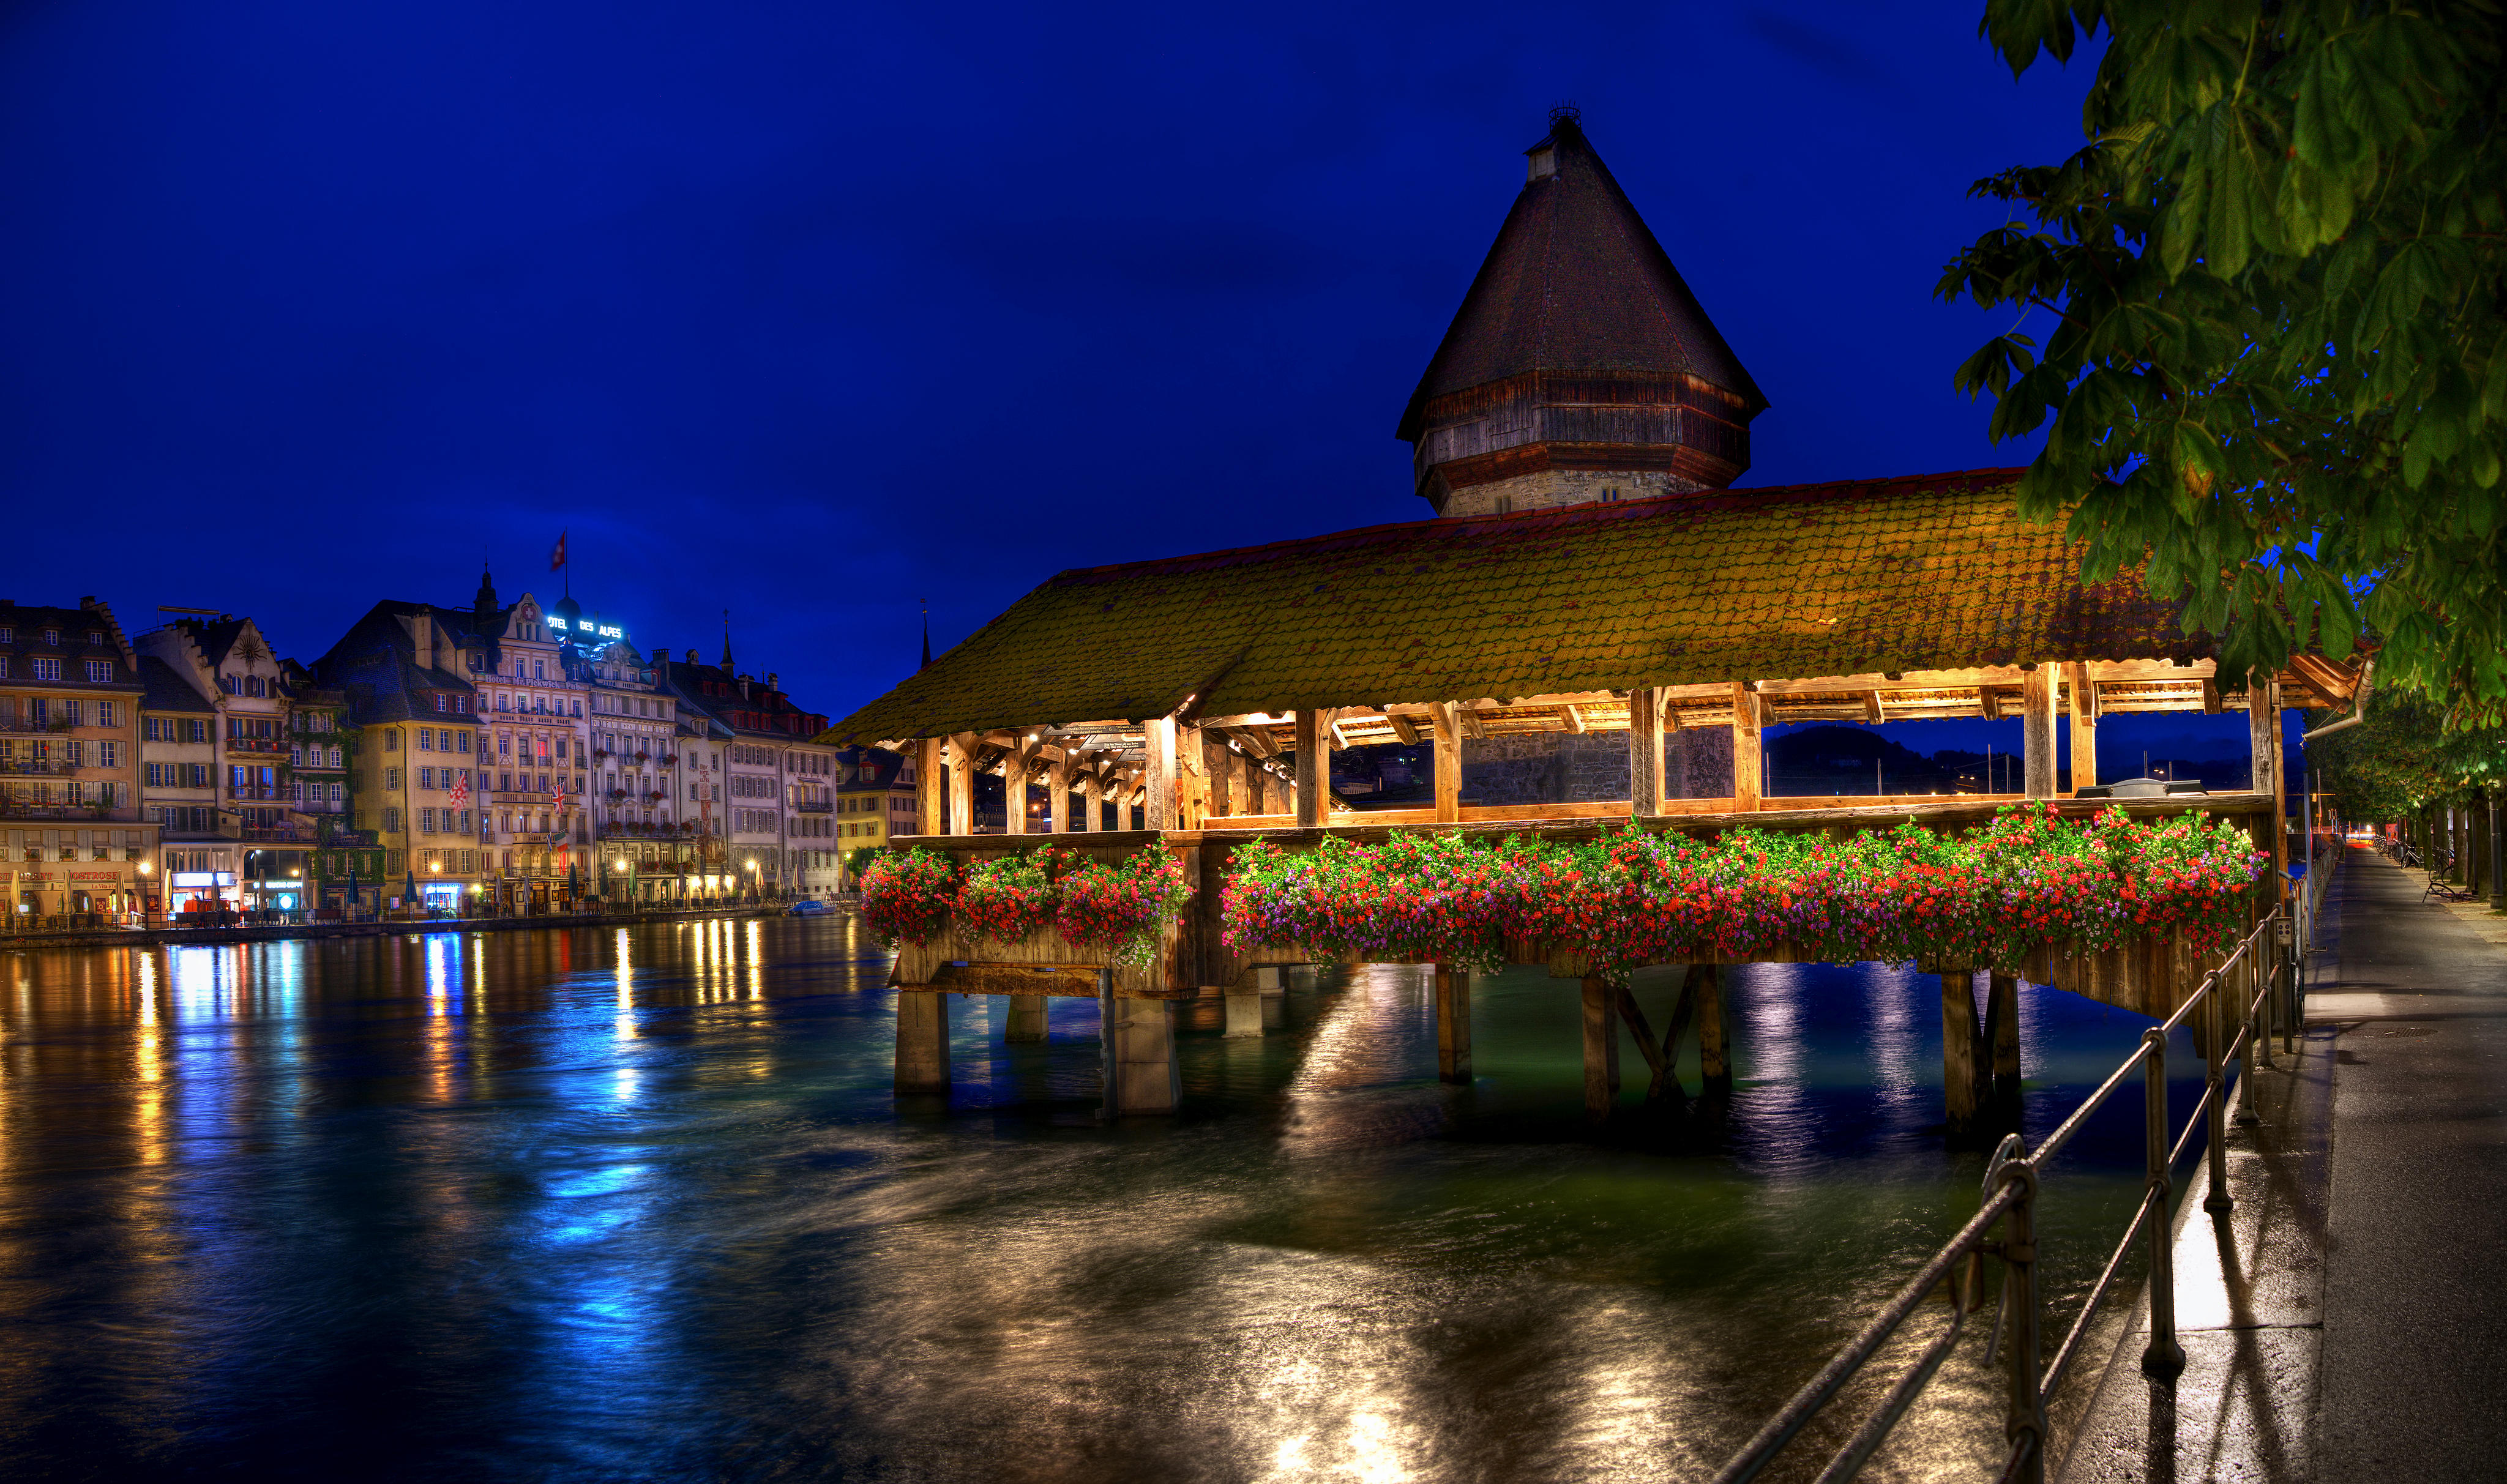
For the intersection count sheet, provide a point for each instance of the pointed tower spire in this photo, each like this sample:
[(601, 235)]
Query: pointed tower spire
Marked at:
[(726, 641), (927, 635), (485, 601), (1579, 366)]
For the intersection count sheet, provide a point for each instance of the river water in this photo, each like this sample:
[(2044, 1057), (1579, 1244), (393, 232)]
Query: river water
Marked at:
[(638, 1204)]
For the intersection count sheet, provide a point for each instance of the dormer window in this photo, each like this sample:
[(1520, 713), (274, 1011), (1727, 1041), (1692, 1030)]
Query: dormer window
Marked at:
[(96, 635), (1543, 163), (52, 636)]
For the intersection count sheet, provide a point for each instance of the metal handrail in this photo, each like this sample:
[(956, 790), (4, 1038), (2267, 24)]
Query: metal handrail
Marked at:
[(2011, 1189)]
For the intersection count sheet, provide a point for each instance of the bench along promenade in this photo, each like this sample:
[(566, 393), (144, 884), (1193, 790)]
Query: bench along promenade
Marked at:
[(1634, 653)]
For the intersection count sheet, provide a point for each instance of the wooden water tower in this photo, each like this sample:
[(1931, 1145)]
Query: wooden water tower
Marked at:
[(1580, 368)]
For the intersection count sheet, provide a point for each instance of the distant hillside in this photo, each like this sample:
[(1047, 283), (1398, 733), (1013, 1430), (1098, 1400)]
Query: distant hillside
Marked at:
[(1833, 760)]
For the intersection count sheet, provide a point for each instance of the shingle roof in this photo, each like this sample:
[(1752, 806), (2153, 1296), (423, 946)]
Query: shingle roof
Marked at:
[(1576, 281), (1926, 572), (168, 691)]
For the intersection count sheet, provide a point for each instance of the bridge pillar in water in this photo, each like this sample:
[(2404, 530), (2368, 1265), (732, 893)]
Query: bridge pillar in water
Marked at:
[(921, 1042), (1245, 1012), (1027, 1020), (2002, 1018), (1714, 1046), (1963, 1054), (1146, 1079), (1454, 1025), (1600, 1048)]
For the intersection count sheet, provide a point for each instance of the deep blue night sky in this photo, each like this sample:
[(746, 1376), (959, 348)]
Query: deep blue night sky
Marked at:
[(815, 312)]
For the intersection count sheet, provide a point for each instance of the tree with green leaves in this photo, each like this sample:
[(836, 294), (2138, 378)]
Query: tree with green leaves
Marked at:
[(2401, 760), (2273, 375)]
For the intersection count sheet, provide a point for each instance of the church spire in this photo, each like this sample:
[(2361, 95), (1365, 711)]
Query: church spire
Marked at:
[(1580, 367), (485, 601), (726, 641)]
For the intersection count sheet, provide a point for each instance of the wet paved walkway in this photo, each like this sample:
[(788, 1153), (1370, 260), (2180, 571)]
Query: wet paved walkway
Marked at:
[(2348, 1319)]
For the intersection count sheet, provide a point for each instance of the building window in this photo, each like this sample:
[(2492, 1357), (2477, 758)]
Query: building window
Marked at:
[(99, 671), (108, 713), (391, 822), (48, 669), (52, 636), (391, 777), (426, 739), (196, 730), (391, 739), (426, 821)]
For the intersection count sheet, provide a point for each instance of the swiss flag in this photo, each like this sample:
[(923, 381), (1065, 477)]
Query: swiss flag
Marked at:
[(557, 555)]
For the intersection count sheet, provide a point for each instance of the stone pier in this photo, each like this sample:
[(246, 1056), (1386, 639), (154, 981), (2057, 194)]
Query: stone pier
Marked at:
[(921, 1044), (1027, 1024), (1142, 1057)]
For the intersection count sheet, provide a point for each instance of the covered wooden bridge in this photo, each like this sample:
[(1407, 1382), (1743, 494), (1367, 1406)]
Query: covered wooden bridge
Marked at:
[(1632, 652)]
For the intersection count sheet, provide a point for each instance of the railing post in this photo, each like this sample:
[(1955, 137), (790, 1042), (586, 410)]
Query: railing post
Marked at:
[(2293, 1008), (2162, 1357), (2216, 1081), (2027, 1411), (2270, 1012)]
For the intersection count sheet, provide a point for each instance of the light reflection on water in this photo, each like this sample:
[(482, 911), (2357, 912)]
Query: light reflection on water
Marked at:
[(638, 1204)]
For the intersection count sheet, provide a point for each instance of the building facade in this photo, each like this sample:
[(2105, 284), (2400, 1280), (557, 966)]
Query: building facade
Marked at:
[(875, 800), (264, 841), (414, 760), (71, 826), (178, 791), (778, 781), (534, 825)]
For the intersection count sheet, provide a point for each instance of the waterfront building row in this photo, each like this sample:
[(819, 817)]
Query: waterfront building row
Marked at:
[(498, 754)]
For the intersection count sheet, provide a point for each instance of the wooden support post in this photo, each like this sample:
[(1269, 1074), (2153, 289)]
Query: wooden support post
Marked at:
[(1057, 787), (1014, 790), (1747, 759), (1713, 1053), (1666, 1066), (1158, 736), (2085, 725), (1091, 814), (1601, 1049), (1219, 773), (1027, 1020), (2262, 723), (1446, 771), (2002, 1032), (2037, 730), (1146, 1079), (1314, 772), (930, 778), (1644, 751), (1453, 1025), (1960, 1045), (962, 784), (921, 1044), (1675, 751)]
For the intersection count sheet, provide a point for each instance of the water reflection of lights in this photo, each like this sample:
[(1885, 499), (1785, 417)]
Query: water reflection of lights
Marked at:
[(624, 970)]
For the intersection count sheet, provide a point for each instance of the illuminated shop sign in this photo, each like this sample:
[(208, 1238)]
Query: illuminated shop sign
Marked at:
[(586, 626)]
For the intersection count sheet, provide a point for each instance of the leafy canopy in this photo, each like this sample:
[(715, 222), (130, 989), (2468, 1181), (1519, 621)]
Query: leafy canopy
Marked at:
[(2275, 360), (2402, 760)]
